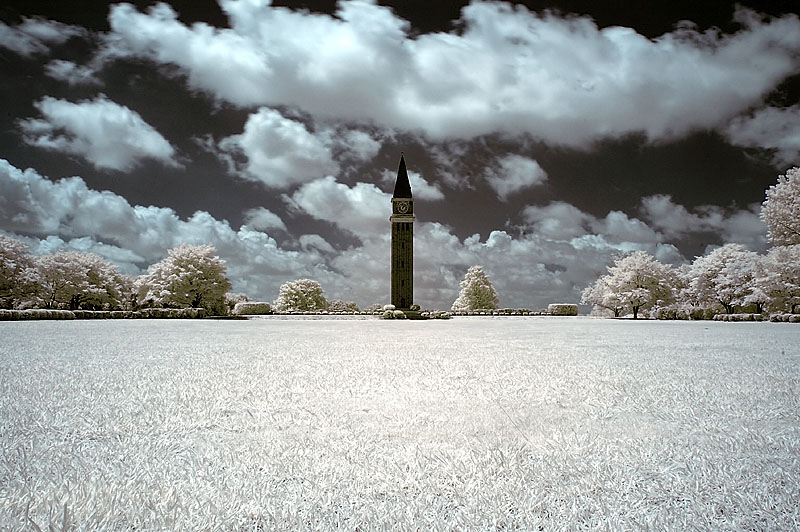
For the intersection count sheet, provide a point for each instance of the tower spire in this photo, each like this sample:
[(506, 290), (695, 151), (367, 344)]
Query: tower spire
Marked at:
[(402, 188)]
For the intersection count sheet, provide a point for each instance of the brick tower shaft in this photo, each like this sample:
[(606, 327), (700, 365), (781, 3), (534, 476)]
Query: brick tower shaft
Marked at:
[(402, 221)]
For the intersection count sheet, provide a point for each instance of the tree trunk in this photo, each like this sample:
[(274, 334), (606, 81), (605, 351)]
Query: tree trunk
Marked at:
[(635, 313)]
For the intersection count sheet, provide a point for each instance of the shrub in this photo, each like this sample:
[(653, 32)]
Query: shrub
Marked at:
[(562, 309), (252, 308)]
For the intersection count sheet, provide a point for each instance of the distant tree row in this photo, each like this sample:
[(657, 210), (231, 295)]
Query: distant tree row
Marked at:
[(726, 280), (190, 276)]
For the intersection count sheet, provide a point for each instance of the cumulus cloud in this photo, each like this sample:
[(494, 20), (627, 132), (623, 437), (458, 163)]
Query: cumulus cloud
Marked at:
[(771, 128), (675, 221), (278, 151), (35, 35), (311, 242), (513, 173), (71, 73), (106, 134), (355, 144), (263, 219), (558, 220), (558, 78), (363, 209)]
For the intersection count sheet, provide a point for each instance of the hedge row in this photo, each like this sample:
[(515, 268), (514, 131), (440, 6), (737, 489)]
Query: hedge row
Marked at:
[(253, 308), (48, 314), (36, 314), (500, 312), (562, 309), (739, 317), (791, 318)]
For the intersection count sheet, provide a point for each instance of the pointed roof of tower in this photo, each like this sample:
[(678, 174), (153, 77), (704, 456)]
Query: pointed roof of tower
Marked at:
[(402, 188)]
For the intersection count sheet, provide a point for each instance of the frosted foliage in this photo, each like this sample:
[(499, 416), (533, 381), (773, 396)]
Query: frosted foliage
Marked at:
[(190, 276), (602, 297), (476, 292), (19, 279), (513, 424), (725, 277), (639, 282), (75, 280), (781, 278), (781, 210), (300, 295), (337, 305)]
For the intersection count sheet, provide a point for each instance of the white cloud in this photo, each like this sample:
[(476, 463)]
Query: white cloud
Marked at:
[(278, 151), (743, 226), (559, 79), (771, 128), (356, 144), (263, 219), (106, 134), (362, 209), (513, 173), (618, 227), (35, 35), (309, 242), (558, 220), (71, 73), (746, 227)]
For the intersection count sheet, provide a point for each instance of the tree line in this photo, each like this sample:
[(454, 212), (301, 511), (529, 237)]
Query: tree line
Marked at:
[(729, 279)]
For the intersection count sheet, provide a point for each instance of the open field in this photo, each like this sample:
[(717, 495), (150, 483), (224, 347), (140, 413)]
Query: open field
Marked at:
[(466, 424)]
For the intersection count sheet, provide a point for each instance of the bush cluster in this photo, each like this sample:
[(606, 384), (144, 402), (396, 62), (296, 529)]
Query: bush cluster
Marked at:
[(436, 314), (739, 317), (36, 314), (253, 308), (562, 309), (790, 318), (500, 312)]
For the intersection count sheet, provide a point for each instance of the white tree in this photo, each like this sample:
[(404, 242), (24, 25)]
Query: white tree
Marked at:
[(300, 295), (780, 278), (600, 295), (81, 280), (725, 276), (781, 210), (476, 292), (190, 276), (639, 282), (19, 279)]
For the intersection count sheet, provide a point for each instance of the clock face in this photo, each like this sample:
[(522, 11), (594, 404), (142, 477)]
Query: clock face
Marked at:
[(403, 207)]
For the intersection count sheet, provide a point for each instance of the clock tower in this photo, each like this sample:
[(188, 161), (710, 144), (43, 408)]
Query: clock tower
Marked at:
[(402, 240)]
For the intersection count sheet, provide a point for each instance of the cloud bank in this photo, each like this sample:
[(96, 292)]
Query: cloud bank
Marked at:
[(559, 79)]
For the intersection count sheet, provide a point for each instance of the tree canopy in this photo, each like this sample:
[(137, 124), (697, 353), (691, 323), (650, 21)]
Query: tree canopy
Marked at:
[(476, 292), (300, 295), (781, 210), (190, 276)]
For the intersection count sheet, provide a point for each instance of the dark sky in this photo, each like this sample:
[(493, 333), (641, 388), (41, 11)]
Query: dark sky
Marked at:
[(542, 138)]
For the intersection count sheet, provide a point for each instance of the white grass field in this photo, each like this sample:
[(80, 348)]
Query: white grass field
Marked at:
[(467, 424)]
